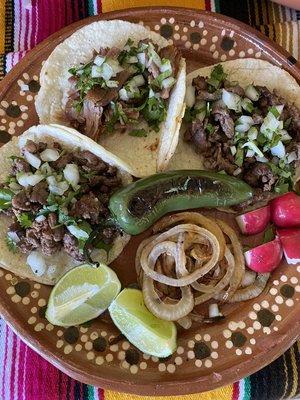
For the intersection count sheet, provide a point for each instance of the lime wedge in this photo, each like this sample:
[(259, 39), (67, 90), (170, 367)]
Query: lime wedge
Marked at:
[(148, 333), (82, 294)]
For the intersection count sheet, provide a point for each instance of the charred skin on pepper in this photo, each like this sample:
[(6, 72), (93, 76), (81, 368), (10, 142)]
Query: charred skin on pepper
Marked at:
[(139, 205)]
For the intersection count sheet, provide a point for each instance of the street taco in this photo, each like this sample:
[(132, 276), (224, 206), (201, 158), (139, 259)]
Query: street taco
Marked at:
[(243, 118), (55, 188), (120, 84)]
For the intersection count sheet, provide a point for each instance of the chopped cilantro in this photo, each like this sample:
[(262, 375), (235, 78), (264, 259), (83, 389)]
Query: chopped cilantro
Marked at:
[(101, 245), (209, 128), (154, 111), (157, 82), (25, 220), (274, 111), (138, 133), (12, 246), (6, 196), (65, 219), (239, 156), (190, 114), (217, 76), (117, 116)]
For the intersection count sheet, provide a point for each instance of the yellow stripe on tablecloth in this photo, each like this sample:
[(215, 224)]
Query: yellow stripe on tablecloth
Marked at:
[(225, 393), (111, 5), (2, 25)]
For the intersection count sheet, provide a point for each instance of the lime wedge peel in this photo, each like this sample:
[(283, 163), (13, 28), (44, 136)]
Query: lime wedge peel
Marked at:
[(148, 333), (82, 294)]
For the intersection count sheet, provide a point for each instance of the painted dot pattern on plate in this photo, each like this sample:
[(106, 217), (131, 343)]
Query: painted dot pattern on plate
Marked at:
[(99, 344)]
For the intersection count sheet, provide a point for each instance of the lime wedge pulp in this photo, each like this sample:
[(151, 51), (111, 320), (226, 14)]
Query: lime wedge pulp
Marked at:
[(82, 294), (147, 332)]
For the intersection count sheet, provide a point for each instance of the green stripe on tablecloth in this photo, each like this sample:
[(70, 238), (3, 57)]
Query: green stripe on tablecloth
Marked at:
[(247, 389)]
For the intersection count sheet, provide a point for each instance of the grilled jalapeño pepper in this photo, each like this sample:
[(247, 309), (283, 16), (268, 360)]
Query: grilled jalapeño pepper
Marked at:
[(137, 206)]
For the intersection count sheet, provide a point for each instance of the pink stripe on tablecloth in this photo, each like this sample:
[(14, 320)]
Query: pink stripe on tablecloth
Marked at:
[(20, 24), (19, 361), (13, 366), (28, 12), (4, 363), (26, 349)]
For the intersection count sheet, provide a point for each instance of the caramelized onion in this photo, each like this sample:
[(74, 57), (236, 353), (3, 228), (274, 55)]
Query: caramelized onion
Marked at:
[(187, 262), (153, 250), (193, 218)]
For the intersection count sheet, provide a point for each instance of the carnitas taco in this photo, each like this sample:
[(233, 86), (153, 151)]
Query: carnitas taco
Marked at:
[(121, 85), (243, 118), (54, 194)]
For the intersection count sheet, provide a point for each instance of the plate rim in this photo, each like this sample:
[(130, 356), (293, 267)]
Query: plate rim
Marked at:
[(169, 387)]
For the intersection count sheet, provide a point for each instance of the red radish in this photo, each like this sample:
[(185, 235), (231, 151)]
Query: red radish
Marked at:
[(254, 221), (264, 258), (290, 241), (285, 210)]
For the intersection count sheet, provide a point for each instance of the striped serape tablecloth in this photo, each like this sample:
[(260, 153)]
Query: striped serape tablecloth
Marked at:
[(24, 375)]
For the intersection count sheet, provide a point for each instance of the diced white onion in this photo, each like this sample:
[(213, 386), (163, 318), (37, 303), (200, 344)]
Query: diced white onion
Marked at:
[(244, 123), (138, 80), (250, 153), (269, 126), (45, 169), (278, 150), (233, 150), (166, 66), (279, 108), (40, 218), (142, 58), (292, 157), (13, 236), (71, 174), (96, 72), (242, 128), (247, 104), (107, 71), (99, 60), (252, 93), (32, 159), (252, 146), (168, 82), (123, 94), (232, 100), (112, 84), (77, 232), (262, 159), (37, 263), (55, 187), (114, 65), (252, 133), (50, 155), (153, 56), (27, 179)]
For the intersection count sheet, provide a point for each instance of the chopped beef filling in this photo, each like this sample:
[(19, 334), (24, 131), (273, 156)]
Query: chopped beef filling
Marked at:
[(122, 88), (249, 132), (61, 209)]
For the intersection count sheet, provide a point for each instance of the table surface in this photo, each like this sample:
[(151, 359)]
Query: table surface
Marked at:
[(24, 375)]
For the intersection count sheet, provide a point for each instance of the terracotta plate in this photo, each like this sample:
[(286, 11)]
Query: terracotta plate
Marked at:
[(253, 334)]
